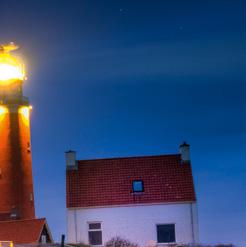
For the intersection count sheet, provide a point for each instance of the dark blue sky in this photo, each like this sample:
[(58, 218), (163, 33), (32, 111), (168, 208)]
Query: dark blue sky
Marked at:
[(122, 78)]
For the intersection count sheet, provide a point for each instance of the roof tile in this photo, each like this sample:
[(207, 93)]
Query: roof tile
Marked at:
[(22, 231), (107, 182)]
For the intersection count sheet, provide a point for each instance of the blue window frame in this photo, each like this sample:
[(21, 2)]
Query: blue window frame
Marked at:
[(137, 186)]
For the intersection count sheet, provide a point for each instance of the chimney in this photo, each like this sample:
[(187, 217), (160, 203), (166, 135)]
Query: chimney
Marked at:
[(71, 162), (184, 150)]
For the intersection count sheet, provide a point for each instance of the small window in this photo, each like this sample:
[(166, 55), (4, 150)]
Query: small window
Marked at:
[(137, 186), (166, 233), (95, 233), (43, 239)]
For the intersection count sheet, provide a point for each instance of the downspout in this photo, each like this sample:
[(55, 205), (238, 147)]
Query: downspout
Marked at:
[(192, 224), (75, 225)]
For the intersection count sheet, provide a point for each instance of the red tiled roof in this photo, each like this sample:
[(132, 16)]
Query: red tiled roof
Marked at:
[(107, 182), (22, 231), (4, 216)]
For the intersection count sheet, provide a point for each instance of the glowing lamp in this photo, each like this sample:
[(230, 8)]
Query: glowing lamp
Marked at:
[(11, 68), (25, 114), (3, 111)]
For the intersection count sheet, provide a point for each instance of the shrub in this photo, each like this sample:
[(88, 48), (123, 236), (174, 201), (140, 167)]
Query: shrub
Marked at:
[(120, 242), (78, 245)]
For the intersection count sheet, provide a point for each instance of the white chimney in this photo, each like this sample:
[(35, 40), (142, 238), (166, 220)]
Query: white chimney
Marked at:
[(184, 150), (71, 159)]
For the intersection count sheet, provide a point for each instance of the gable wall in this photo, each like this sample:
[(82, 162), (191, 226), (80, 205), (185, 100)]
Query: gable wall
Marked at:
[(135, 223)]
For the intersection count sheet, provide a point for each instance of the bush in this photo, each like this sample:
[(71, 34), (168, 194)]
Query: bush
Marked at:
[(78, 245), (120, 242)]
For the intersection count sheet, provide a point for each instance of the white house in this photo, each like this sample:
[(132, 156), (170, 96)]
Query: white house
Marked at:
[(146, 200)]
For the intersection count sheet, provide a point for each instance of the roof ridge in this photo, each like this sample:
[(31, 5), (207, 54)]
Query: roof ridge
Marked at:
[(133, 157)]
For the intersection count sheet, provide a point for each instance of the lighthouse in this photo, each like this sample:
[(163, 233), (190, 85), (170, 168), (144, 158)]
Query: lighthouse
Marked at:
[(18, 223), (16, 182)]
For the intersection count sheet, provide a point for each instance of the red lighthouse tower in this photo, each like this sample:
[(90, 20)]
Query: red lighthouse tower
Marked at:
[(16, 183), (18, 224)]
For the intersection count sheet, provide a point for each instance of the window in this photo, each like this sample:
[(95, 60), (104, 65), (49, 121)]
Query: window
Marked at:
[(137, 186), (95, 233), (166, 233), (43, 239)]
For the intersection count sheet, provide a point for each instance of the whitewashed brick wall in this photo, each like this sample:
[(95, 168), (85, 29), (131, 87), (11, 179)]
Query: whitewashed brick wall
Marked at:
[(135, 223)]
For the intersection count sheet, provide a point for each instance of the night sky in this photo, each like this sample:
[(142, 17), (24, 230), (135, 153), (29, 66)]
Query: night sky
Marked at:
[(127, 78)]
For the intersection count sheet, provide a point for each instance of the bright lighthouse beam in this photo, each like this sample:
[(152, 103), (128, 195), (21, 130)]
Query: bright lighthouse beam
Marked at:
[(11, 69), (10, 72)]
